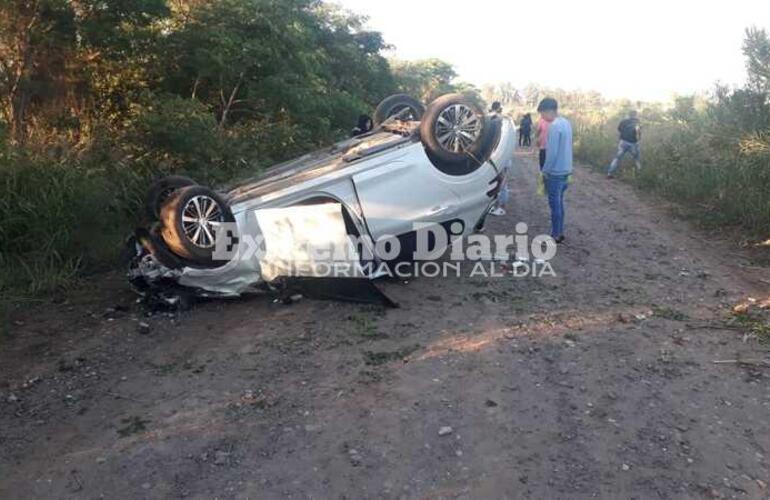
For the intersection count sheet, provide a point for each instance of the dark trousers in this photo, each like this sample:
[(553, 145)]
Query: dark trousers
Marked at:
[(542, 158), (525, 137)]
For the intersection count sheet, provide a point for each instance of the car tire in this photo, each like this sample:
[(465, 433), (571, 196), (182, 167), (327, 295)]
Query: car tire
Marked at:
[(160, 191), (394, 105), (191, 240), (152, 242), (453, 130), (469, 165)]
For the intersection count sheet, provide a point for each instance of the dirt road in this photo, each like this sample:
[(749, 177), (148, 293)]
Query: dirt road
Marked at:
[(597, 383)]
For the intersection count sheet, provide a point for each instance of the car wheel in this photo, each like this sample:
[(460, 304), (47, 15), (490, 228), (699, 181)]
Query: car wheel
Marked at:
[(470, 164), (154, 245), (454, 130), (191, 218), (160, 191), (394, 105)]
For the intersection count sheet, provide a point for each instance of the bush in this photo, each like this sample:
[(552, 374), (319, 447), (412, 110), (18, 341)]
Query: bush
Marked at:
[(697, 155), (174, 133), (56, 218)]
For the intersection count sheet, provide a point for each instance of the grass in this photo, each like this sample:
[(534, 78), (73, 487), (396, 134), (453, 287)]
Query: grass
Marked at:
[(373, 358), (365, 325), (5, 319), (132, 425), (755, 322), (66, 212), (59, 219), (669, 313), (719, 173)]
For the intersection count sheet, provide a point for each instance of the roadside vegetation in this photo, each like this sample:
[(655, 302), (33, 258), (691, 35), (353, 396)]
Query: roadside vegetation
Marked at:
[(710, 153), (99, 98)]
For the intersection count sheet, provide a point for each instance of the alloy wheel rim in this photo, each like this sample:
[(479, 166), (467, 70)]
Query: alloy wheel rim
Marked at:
[(201, 219), (458, 128)]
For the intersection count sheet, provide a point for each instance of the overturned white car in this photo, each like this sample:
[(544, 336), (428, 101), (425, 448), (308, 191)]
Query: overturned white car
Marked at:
[(368, 195)]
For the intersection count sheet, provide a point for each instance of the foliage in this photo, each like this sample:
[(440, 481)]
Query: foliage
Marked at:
[(427, 79), (424, 79), (56, 216), (756, 48), (97, 98), (100, 97), (710, 154)]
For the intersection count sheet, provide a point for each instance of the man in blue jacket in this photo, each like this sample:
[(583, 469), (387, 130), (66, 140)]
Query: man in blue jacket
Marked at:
[(558, 163)]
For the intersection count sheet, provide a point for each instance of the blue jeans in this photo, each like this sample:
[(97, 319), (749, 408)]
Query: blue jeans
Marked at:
[(624, 147), (555, 186), (504, 195)]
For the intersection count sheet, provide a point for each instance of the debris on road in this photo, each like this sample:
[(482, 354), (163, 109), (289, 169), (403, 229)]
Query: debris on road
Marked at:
[(221, 457), (355, 457)]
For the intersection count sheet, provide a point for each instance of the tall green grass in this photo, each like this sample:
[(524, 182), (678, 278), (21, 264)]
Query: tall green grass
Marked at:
[(720, 173), (66, 213), (58, 217)]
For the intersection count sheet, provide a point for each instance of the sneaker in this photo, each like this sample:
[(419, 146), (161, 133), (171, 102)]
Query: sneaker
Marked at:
[(560, 239), (497, 211)]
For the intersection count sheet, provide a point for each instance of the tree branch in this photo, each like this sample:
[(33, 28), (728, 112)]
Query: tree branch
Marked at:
[(230, 101)]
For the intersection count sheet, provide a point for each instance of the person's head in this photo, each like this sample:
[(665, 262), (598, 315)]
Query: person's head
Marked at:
[(497, 107), (548, 109), (364, 123), (633, 114)]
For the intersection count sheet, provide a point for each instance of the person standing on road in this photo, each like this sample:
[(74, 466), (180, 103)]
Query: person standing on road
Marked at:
[(498, 208), (525, 131), (630, 134), (541, 137), (557, 166)]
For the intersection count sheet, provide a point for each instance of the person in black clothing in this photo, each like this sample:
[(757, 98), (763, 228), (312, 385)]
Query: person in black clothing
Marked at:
[(630, 134), (525, 131), (365, 125)]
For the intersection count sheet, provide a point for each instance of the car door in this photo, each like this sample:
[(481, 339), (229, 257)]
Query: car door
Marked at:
[(404, 190)]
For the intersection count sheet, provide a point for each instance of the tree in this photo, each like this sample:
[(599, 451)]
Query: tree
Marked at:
[(756, 48), (54, 52), (36, 37), (424, 79), (300, 60)]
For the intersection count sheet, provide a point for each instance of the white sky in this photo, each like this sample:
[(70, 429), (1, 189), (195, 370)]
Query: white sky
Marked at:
[(640, 49)]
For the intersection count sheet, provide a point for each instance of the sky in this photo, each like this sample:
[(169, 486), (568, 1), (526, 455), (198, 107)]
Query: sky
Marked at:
[(645, 50)]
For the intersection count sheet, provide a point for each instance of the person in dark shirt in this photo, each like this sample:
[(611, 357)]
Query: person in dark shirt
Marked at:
[(364, 125), (630, 134), (525, 131)]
